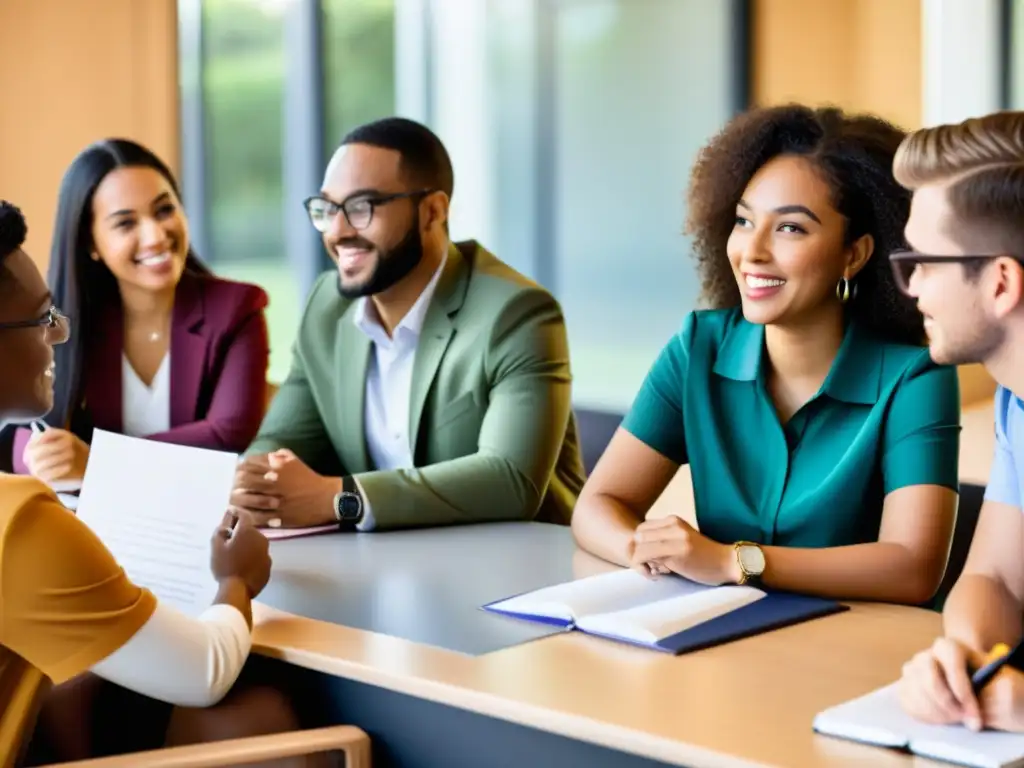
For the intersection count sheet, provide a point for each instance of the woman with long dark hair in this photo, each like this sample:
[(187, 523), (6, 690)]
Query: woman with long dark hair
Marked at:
[(822, 439), (162, 349)]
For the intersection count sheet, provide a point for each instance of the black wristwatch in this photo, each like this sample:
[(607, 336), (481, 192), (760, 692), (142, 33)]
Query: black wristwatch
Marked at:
[(348, 505)]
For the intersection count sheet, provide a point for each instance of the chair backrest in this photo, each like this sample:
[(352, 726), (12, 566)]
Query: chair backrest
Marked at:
[(595, 429), (971, 498)]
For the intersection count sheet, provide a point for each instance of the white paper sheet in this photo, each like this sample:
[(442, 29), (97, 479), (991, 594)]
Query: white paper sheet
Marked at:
[(156, 506)]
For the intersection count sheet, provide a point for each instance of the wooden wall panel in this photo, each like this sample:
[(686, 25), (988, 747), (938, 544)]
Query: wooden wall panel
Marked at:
[(858, 54), (72, 72)]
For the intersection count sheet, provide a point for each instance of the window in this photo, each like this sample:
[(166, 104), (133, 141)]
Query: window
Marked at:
[(359, 65), (252, 229), (572, 125), (600, 108), (1015, 55), (243, 74)]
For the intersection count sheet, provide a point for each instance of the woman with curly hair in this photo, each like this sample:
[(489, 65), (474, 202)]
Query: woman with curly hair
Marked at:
[(821, 438)]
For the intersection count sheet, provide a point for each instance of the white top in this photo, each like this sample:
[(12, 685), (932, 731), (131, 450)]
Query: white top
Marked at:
[(180, 660), (389, 383), (145, 410)]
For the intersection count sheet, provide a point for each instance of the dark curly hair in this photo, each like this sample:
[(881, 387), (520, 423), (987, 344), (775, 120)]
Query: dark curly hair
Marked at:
[(13, 229), (854, 154)]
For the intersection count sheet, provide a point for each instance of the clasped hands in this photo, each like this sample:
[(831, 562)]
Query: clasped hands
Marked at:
[(671, 545), (278, 490), (936, 688)]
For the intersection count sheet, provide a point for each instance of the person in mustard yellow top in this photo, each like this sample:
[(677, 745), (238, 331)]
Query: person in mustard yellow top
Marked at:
[(821, 438), (66, 608)]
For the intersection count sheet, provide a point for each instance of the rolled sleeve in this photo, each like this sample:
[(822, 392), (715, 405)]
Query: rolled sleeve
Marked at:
[(1003, 482), (656, 416), (922, 431)]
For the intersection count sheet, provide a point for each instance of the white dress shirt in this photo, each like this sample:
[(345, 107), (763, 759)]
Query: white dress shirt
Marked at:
[(145, 410), (389, 383)]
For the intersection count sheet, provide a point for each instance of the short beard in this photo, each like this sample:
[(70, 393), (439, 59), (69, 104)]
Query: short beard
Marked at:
[(393, 266), (981, 346)]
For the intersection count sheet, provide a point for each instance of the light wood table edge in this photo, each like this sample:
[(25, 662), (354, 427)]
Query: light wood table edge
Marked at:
[(466, 698)]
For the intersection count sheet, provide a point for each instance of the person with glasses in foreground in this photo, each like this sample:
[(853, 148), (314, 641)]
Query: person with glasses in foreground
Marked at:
[(430, 383), (965, 270), (89, 662), (822, 441), (163, 349)]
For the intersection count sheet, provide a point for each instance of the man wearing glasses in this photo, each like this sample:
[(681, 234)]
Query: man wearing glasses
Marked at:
[(430, 383), (965, 270)]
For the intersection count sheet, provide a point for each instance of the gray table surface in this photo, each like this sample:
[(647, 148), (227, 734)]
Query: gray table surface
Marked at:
[(423, 585)]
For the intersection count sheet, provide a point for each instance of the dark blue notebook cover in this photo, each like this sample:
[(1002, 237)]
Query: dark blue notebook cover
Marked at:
[(775, 610)]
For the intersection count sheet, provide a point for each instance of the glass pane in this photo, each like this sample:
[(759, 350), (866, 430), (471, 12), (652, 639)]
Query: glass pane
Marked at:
[(1016, 55), (639, 88), (243, 83), (359, 65), (514, 104)]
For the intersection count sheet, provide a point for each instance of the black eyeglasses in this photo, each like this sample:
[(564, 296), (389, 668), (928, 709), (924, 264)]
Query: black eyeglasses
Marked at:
[(58, 326), (905, 263), (358, 210)]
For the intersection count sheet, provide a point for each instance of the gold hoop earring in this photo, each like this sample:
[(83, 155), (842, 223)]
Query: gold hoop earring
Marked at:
[(843, 290)]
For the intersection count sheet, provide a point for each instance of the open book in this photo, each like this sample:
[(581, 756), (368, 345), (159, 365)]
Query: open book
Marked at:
[(670, 614), (878, 719)]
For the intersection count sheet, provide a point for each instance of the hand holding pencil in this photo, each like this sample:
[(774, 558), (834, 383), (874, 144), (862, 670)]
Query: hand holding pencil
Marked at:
[(951, 684)]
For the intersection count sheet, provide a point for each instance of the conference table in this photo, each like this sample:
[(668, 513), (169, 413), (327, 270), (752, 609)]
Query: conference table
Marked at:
[(385, 631)]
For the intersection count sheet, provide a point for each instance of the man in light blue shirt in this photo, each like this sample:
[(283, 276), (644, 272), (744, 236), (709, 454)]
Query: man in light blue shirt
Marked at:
[(1004, 481), (965, 270)]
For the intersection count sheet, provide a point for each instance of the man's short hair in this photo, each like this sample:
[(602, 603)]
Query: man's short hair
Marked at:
[(982, 160), (425, 161), (13, 231)]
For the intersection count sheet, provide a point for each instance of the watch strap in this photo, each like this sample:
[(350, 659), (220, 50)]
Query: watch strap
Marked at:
[(348, 485)]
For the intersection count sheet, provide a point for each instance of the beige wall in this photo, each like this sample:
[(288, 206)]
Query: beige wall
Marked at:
[(72, 72), (858, 54)]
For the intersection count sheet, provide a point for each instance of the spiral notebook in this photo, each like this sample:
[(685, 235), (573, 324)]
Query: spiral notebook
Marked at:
[(669, 614), (878, 719)]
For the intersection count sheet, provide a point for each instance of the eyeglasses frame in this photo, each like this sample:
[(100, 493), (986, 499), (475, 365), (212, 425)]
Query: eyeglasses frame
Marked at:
[(373, 199), (917, 257)]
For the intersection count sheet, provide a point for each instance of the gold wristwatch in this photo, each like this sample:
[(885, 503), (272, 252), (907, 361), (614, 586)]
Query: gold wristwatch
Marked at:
[(750, 557)]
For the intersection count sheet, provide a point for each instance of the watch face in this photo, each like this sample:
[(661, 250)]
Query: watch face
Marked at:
[(752, 560), (350, 506)]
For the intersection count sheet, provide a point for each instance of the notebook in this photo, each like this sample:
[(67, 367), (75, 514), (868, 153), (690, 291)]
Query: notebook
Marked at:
[(878, 719), (669, 614)]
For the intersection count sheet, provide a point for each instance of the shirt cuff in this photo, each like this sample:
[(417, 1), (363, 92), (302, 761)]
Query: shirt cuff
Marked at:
[(367, 523)]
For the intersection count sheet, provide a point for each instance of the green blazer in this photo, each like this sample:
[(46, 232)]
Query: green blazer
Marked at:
[(495, 437)]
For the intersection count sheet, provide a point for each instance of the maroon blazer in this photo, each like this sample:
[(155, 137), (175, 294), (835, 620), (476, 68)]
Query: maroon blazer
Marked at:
[(219, 356)]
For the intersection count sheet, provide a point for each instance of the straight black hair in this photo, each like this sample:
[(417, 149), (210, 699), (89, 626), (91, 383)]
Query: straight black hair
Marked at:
[(80, 284)]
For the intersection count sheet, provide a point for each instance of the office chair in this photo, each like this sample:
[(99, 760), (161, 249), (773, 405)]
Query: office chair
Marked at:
[(595, 430), (971, 498)]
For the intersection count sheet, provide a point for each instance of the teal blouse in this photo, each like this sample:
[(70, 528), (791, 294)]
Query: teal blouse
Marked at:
[(886, 417)]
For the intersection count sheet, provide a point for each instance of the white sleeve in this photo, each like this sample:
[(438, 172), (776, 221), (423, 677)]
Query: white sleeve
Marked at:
[(183, 661)]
